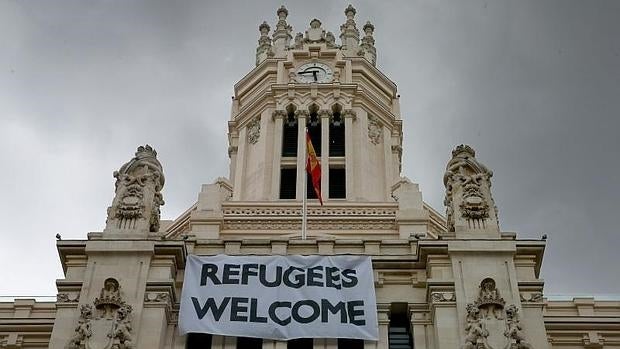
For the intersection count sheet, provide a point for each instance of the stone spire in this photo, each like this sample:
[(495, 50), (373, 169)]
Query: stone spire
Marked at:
[(367, 47), (282, 34), (135, 207), (349, 34), (469, 205), (264, 49)]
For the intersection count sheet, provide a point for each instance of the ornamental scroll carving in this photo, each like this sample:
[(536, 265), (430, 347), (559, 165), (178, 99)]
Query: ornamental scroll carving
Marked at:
[(107, 325), (254, 130), (468, 200), (137, 200), (375, 131), (492, 325)]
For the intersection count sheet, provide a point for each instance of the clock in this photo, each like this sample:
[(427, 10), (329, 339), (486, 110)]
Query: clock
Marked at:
[(314, 72)]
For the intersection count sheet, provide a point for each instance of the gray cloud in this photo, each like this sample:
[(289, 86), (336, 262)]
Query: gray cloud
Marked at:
[(532, 85)]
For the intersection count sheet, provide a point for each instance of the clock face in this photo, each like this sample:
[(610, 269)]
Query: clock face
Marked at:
[(314, 72)]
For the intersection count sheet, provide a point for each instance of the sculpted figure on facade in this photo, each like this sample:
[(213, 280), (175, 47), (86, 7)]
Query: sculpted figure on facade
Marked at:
[(476, 334), (514, 330), (136, 205), (375, 131), (468, 200), (82, 330), (121, 334), (315, 33)]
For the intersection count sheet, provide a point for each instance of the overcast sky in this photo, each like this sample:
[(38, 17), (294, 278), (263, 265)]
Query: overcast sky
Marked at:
[(533, 86)]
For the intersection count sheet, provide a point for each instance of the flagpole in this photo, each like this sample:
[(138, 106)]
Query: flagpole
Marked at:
[(305, 189)]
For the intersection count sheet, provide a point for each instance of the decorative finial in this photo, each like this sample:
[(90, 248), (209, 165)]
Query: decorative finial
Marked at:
[(367, 47), (350, 11), (264, 28), (282, 34), (369, 28), (282, 12), (349, 34), (264, 49)]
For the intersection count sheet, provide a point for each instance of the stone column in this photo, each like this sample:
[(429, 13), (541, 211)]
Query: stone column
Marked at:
[(349, 117), (301, 152), (383, 317), (387, 160), (278, 118), (240, 166), (324, 115)]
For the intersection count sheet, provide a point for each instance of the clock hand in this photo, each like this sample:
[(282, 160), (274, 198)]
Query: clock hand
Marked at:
[(314, 73)]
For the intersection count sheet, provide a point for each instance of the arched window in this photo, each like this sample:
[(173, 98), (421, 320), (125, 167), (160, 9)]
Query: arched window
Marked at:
[(336, 132), (289, 133), (314, 128)]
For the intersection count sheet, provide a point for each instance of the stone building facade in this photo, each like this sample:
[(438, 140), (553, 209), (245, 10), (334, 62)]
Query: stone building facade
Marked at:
[(442, 282)]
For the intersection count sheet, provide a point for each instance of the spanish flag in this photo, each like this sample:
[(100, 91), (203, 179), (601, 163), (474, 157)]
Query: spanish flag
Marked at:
[(313, 166)]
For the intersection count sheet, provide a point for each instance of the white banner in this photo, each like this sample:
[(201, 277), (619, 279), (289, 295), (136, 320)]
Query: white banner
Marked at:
[(280, 297)]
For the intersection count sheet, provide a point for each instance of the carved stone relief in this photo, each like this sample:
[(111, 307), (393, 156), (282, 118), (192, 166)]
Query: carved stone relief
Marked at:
[(254, 131), (136, 205), (492, 325), (443, 297), (468, 199), (108, 325), (532, 297), (375, 130)]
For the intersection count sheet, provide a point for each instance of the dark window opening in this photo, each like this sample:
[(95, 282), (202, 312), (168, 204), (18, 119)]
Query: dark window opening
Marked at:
[(337, 183), (314, 130), (288, 181), (348, 343), (300, 343), (249, 343), (336, 135), (399, 333), (198, 341), (289, 135)]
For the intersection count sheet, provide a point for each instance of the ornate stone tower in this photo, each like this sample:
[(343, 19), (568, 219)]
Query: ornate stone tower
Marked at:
[(352, 113)]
